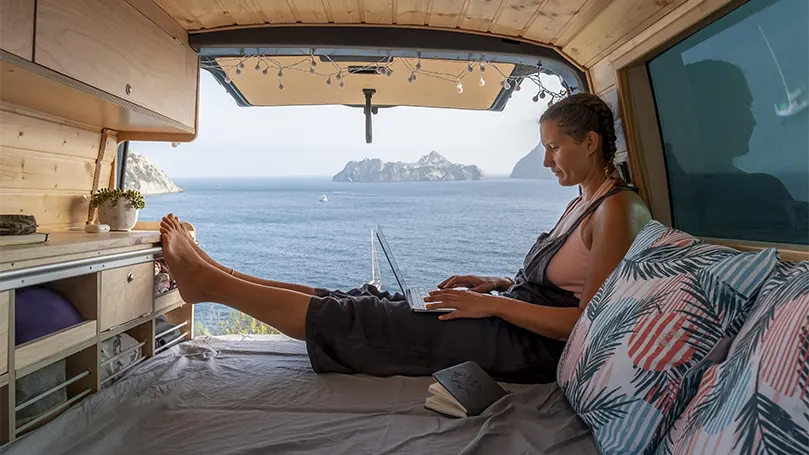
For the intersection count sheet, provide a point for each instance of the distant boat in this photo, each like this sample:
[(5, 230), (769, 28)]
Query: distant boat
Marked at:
[(797, 99), (376, 277), (323, 198)]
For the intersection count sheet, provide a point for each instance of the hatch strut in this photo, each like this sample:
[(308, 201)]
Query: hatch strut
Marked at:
[(369, 111)]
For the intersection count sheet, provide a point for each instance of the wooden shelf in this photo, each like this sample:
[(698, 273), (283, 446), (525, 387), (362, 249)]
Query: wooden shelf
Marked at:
[(168, 302), (65, 243), (43, 351)]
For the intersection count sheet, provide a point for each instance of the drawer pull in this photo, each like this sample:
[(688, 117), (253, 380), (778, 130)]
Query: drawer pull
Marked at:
[(130, 278), (128, 89)]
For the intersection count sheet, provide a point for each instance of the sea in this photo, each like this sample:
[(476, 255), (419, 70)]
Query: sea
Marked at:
[(277, 228)]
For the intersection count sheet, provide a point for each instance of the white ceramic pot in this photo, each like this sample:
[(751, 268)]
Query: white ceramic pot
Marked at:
[(121, 217)]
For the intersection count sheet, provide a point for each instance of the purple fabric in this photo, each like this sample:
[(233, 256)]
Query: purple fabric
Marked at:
[(40, 311)]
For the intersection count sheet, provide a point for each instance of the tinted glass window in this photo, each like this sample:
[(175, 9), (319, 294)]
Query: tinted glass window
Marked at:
[(733, 106)]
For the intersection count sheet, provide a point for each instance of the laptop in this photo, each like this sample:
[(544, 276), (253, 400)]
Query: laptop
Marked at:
[(414, 295)]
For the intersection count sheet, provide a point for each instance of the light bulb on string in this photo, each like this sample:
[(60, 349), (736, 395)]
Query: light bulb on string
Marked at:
[(312, 70), (469, 68), (257, 67), (313, 63), (342, 84), (482, 67), (413, 77), (542, 95), (459, 87), (418, 65), (228, 78), (281, 86), (339, 76), (388, 72), (535, 98), (265, 71), (280, 73), (517, 87), (328, 80), (482, 81), (241, 65), (238, 71)]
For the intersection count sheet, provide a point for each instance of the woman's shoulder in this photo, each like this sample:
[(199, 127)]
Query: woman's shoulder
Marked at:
[(624, 207)]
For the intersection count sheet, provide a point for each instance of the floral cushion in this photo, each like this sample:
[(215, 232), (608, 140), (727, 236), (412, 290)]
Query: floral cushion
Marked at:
[(756, 401), (637, 354)]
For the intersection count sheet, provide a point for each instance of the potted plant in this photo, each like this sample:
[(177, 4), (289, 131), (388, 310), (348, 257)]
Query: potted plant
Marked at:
[(118, 208)]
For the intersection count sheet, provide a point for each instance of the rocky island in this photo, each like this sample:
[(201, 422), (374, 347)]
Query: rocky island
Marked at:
[(144, 176), (432, 167), (531, 167)]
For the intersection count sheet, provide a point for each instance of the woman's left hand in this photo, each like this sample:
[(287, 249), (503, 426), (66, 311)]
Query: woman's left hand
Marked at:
[(467, 304)]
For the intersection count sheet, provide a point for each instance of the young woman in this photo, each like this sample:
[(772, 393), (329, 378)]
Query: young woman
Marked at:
[(517, 336)]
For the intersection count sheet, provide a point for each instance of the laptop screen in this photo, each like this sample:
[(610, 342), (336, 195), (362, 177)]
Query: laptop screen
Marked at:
[(391, 260)]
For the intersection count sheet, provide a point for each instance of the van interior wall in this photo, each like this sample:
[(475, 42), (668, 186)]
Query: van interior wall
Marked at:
[(48, 167)]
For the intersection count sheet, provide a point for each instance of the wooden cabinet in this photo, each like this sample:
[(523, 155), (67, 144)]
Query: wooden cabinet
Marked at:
[(126, 294), (111, 46), (17, 27)]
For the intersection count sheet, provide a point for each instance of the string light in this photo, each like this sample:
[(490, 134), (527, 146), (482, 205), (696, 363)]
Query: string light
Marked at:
[(385, 67)]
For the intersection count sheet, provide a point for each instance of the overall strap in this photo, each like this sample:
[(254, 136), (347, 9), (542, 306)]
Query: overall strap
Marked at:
[(592, 207)]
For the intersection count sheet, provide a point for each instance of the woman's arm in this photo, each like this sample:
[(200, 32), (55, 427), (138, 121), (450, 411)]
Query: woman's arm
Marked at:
[(547, 321)]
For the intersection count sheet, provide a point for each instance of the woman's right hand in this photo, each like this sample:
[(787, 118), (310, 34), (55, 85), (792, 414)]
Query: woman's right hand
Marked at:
[(482, 284)]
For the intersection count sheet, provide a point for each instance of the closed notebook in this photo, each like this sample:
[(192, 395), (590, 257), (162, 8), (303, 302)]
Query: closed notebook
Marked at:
[(23, 239), (463, 390)]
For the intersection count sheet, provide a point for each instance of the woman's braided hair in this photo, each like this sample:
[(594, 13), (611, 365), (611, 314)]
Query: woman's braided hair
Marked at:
[(581, 113)]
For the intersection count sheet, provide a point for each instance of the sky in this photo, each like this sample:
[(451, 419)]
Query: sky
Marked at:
[(296, 141)]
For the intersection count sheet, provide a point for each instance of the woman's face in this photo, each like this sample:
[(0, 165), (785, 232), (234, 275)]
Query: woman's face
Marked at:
[(570, 162)]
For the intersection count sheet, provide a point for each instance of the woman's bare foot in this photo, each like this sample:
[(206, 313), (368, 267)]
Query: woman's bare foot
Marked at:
[(194, 244), (187, 267)]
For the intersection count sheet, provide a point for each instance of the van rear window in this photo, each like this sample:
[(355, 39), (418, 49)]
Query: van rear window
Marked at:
[(733, 105)]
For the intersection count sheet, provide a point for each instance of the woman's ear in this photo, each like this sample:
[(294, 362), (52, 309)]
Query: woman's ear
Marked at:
[(592, 141)]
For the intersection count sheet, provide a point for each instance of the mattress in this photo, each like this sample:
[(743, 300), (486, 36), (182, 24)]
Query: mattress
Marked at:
[(258, 395)]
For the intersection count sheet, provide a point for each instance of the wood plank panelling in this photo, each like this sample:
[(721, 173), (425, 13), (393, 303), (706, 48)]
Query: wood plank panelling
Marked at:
[(180, 13), (157, 15), (209, 13), (586, 14), (17, 27), (480, 14), (411, 12), (602, 76), (344, 11), (377, 11), (445, 13), (30, 133), (552, 18), (275, 11), (47, 169), (620, 21), (313, 11), (244, 12), (516, 15)]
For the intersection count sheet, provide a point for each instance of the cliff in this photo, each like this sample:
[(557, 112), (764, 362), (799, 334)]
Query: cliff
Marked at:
[(147, 178), (432, 167), (530, 166)]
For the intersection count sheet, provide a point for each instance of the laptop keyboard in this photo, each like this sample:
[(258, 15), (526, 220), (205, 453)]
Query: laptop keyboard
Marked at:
[(417, 296)]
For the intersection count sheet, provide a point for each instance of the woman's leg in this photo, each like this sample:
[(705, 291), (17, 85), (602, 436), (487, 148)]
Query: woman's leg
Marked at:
[(199, 281), (256, 280)]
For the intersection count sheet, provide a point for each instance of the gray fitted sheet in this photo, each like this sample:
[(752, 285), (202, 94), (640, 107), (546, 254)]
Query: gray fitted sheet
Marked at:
[(258, 395)]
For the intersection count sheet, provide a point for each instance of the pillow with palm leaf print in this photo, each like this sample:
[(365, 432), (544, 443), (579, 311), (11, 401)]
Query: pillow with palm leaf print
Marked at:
[(636, 356), (756, 401)]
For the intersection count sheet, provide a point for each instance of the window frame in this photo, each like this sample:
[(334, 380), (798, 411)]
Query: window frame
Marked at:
[(647, 160)]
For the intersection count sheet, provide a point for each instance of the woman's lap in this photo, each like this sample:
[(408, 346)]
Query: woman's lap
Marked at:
[(372, 332)]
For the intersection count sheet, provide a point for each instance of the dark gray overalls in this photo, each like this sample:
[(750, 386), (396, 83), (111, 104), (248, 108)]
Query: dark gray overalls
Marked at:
[(368, 331)]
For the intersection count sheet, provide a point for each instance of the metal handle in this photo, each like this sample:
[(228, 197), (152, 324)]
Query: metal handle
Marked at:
[(130, 278), (128, 89)]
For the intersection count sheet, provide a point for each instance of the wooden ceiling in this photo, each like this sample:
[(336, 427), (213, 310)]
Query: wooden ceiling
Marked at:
[(584, 30)]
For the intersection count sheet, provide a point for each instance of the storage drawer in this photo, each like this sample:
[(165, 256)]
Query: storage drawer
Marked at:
[(113, 47), (17, 27), (126, 294)]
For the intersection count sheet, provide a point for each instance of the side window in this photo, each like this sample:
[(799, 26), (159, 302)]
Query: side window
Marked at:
[(733, 106)]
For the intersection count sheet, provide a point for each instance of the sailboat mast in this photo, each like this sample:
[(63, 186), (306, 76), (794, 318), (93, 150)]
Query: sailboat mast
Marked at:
[(781, 73), (373, 258)]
